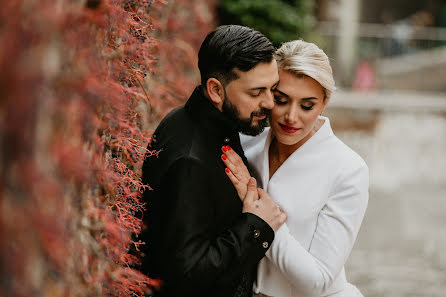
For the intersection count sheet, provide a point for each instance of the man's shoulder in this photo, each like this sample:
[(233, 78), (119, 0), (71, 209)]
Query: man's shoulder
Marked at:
[(176, 139), (176, 117), (174, 131)]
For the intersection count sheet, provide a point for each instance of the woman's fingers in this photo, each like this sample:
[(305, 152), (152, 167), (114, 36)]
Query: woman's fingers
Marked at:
[(229, 165), (241, 188), (233, 161), (236, 170), (232, 156)]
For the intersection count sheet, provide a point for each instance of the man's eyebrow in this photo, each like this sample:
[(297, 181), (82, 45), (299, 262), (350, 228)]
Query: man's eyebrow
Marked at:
[(264, 88)]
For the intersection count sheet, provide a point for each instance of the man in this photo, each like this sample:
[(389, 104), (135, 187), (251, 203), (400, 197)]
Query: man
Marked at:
[(201, 239)]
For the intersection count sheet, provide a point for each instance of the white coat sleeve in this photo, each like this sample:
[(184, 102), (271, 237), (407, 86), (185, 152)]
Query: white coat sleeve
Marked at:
[(312, 271)]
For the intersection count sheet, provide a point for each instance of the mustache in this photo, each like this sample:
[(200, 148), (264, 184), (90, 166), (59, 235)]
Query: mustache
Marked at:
[(261, 112)]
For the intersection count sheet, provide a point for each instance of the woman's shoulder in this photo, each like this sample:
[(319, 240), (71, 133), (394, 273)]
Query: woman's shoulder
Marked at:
[(336, 150), (344, 156), (348, 170)]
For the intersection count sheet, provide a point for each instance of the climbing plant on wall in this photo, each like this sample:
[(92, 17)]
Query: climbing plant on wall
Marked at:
[(82, 84)]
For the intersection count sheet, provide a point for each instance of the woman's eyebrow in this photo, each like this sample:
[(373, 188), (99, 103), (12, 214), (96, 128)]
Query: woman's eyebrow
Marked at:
[(281, 93), (287, 96)]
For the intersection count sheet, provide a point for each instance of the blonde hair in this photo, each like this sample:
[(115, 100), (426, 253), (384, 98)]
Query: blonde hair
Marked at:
[(304, 58)]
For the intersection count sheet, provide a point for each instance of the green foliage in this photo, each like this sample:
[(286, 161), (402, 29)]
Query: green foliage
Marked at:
[(279, 20)]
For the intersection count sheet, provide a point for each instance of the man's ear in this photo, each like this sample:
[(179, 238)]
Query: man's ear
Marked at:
[(216, 92)]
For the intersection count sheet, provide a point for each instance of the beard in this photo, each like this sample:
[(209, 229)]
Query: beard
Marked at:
[(245, 125)]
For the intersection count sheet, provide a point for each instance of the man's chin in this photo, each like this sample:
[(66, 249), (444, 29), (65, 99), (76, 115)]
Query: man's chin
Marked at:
[(250, 126), (254, 130)]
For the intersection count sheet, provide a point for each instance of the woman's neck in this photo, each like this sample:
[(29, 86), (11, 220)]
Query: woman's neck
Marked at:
[(280, 151), (277, 155), (283, 151)]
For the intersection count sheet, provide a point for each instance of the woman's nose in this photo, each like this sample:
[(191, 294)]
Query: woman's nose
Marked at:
[(291, 115)]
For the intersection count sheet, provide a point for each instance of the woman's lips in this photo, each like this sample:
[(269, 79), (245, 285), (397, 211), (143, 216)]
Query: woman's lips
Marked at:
[(288, 129)]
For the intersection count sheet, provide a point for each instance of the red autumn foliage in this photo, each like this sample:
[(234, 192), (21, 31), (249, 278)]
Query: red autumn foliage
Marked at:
[(182, 24), (82, 83)]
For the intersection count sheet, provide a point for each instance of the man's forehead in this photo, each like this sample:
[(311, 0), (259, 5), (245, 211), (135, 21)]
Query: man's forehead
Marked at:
[(263, 75)]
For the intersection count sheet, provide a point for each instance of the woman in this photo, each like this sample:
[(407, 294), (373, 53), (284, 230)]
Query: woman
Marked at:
[(320, 183)]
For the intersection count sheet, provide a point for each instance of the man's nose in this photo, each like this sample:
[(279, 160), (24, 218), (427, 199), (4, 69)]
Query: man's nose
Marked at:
[(268, 101)]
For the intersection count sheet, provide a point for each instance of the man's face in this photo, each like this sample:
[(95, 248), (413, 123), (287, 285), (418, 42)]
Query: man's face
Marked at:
[(249, 99)]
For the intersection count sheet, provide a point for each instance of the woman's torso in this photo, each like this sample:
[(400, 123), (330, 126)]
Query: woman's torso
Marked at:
[(301, 186)]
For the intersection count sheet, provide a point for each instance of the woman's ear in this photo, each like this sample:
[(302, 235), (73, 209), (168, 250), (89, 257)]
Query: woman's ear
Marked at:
[(325, 104), (216, 92)]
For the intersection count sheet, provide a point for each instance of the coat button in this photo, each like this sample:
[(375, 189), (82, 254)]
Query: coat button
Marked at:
[(226, 140), (265, 245), (256, 233)]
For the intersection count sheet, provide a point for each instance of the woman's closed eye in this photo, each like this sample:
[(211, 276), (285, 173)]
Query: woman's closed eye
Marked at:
[(280, 100), (307, 106)]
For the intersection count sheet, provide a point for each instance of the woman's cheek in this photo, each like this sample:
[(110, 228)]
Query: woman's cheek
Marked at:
[(277, 113)]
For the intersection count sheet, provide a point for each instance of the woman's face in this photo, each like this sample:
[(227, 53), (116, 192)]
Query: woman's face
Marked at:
[(298, 101)]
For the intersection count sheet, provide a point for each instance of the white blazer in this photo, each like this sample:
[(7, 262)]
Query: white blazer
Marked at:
[(323, 188)]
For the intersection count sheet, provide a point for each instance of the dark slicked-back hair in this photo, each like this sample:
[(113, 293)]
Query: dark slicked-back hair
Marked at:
[(229, 47)]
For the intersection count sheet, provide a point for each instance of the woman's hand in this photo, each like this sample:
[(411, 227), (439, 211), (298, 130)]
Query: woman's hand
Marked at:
[(236, 170)]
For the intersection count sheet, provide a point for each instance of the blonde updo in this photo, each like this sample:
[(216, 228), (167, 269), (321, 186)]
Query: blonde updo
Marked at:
[(305, 58)]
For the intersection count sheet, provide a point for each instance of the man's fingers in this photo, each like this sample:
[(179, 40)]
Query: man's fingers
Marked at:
[(251, 192), (252, 185), (282, 218), (262, 193)]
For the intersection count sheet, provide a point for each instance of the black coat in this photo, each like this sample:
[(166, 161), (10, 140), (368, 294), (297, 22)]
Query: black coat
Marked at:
[(198, 240)]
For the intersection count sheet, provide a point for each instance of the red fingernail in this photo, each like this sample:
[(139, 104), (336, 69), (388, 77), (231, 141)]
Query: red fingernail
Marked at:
[(224, 148), (223, 157), (227, 170), (228, 147)]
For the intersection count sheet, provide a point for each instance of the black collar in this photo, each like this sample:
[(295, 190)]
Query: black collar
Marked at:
[(218, 126), (209, 116)]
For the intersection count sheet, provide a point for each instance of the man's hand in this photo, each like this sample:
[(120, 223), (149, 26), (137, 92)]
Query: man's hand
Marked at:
[(258, 202)]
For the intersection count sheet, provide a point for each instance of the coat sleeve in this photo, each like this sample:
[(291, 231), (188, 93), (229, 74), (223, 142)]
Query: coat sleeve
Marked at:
[(312, 271), (198, 255)]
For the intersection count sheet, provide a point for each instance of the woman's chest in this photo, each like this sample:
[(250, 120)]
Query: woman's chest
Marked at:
[(301, 193)]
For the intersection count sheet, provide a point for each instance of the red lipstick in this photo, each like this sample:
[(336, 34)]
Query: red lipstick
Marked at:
[(288, 129)]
